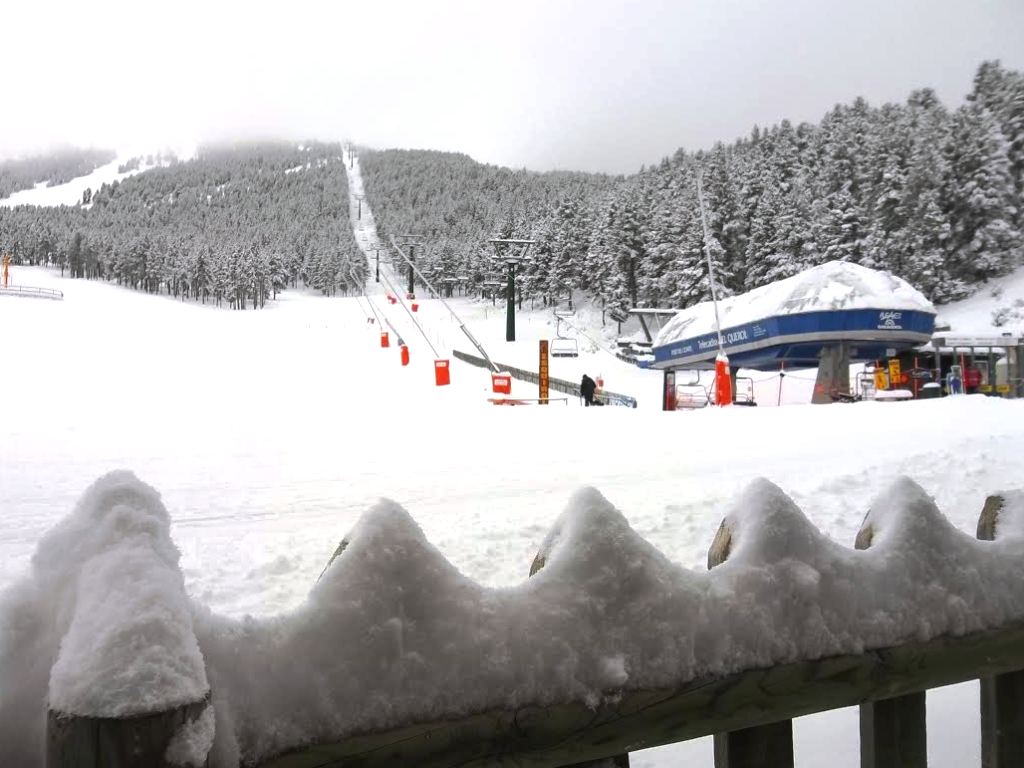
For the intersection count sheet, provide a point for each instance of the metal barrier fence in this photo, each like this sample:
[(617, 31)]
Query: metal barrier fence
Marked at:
[(559, 385), (29, 291)]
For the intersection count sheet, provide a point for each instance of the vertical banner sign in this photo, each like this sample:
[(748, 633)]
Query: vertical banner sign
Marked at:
[(669, 400), (880, 379), (543, 370), (894, 373)]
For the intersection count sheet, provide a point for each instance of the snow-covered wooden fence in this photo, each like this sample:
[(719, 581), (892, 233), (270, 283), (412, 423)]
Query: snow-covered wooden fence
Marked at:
[(607, 648)]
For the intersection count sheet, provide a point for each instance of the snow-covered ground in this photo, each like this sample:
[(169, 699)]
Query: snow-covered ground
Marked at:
[(268, 433), (974, 315)]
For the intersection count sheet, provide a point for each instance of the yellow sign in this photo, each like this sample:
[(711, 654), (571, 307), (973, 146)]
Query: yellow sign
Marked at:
[(544, 380), (894, 371), (880, 379), (1003, 389)]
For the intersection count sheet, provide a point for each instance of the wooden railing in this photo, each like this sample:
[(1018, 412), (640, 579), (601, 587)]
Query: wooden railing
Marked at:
[(749, 712)]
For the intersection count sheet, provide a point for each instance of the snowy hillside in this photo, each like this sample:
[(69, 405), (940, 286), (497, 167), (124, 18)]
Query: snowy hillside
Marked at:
[(70, 193), (996, 308)]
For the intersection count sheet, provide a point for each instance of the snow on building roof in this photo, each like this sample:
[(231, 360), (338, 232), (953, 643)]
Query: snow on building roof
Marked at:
[(835, 285)]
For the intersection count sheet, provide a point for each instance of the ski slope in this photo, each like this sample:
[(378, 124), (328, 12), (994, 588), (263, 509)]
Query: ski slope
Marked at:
[(70, 192), (268, 433), (486, 321), (974, 315)]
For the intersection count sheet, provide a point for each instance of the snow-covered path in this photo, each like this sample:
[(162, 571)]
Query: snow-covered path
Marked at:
[(363, 226), (427, 336)]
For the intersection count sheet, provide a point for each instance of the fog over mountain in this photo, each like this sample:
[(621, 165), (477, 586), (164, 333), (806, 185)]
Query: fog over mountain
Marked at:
[(591, 86)]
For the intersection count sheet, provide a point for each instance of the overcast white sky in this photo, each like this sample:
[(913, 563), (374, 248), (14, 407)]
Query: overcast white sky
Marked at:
[(581, 84)]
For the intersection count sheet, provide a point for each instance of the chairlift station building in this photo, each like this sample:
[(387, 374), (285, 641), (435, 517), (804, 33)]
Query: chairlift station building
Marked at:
[(826, 317)]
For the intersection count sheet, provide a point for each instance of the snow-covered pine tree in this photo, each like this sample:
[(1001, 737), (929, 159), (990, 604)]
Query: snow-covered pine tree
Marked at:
[(889, 141), (980, 195)]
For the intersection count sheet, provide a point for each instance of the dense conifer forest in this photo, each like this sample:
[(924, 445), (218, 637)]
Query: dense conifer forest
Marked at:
[(928, 192), (233, 226), (932, 193), (52, 168)]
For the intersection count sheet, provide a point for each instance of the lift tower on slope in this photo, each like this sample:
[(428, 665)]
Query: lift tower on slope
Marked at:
[(410, 242), (511, 252)]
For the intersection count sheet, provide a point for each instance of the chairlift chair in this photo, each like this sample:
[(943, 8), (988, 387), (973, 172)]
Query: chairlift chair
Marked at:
[(564, 310), (563, 346), (746, 395), (690, 397)]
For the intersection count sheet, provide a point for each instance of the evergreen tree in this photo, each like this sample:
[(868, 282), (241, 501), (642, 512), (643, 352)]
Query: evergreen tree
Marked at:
[(980, 194)]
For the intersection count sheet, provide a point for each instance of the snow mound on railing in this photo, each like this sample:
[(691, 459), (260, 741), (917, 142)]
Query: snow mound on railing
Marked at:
[(102, 626), (835, 285), (394, 634)]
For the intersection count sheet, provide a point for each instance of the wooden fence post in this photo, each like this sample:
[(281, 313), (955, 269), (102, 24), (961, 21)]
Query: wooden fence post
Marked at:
[(74, 741), (618, 761), (893, 732), (1002, 696), (763, 746), (621, 761)]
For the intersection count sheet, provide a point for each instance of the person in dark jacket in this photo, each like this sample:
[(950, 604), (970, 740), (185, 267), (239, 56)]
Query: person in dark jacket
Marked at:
[(587, 388)]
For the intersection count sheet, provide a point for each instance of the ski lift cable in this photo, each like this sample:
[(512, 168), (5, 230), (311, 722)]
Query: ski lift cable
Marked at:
[(362, 308), (387, 322), (398, 298), (355, 281), (462, 325), (373, 309)]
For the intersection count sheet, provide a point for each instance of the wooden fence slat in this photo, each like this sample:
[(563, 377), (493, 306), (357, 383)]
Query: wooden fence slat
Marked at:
[(766, 746), (74, 741), (617, 761), (893, 733), (622, 761), (1002, 696), (1002, 720), (763, 746)]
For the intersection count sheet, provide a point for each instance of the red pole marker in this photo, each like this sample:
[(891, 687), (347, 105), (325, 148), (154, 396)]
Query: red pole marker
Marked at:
[(723, 382)]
